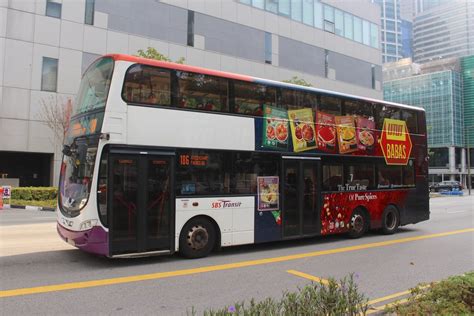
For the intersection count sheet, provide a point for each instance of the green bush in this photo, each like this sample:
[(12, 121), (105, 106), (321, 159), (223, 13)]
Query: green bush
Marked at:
[(45, 203), (452, 296), (34, 193), (333, 298)]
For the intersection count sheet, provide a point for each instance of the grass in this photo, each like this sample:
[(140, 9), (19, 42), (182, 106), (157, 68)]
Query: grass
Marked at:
[(333, 298), (452, 296)]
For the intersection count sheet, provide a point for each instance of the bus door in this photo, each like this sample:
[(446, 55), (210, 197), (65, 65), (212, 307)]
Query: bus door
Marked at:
[(141, 203), (301, 196)]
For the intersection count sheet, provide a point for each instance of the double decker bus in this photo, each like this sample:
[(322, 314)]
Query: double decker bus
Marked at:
[(163, 158)]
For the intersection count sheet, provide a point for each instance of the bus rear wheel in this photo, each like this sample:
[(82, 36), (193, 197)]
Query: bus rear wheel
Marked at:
[(359, 223), (390, 220), (197, 239)]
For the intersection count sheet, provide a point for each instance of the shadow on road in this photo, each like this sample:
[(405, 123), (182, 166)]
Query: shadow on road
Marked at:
[(72, 259)]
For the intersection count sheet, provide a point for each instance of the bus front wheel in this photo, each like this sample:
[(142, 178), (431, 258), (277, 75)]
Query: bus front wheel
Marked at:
[(390, 220), (197, 238), (359, 223)]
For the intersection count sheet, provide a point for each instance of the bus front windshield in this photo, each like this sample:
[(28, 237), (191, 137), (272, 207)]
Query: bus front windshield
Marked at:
[(76, 175), (95, 86), (80, 150)]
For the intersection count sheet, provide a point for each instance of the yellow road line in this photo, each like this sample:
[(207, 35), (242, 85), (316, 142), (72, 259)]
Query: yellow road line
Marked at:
[(221, 267), (308, 276), (381, 308), (394, 295)]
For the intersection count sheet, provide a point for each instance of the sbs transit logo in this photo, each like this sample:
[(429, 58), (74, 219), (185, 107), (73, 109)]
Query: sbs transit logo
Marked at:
[(225, 204), (395, 142)]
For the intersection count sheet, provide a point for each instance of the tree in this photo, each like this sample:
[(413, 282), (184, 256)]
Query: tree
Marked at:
[(152, 53), (298, 81), (56, 116)]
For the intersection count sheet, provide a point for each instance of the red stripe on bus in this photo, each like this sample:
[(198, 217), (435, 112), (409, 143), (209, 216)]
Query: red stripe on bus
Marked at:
[(170, 65)]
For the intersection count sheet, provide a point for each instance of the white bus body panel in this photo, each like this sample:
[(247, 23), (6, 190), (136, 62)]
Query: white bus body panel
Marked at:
[(179, 128), (233, 215)]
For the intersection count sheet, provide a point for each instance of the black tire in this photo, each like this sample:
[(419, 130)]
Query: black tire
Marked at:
[(390, 220), (197, 238), (359, 223)]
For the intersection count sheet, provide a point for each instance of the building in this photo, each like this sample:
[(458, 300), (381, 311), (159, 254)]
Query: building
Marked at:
[(444, 30), (391, 30), (445, 89), (45, 45), (407, 39), (467, 66)]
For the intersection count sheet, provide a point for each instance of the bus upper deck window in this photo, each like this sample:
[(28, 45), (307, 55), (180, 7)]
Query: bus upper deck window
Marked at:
[(147, 85)]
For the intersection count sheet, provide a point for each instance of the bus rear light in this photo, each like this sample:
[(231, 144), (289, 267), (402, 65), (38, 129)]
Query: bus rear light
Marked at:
[(88, 224)]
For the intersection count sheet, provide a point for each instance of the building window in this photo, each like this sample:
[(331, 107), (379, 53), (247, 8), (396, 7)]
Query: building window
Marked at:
[(190, 28), (89, 16), (284, 7), (53, 9), (373, 76), (374, 35), (326, 63), (258, 4), (318, 15), (348, 27), (357, 30), (268, 48), (339, 23), (329, 19), (49, 74), (308, 12), (271, 5), (296, 10), (366, 32)]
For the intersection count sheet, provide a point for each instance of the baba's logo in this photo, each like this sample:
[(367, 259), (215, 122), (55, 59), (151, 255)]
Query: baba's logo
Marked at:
[(395, 142), (225, 204)]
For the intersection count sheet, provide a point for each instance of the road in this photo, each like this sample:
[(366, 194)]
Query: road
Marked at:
[(42, 275)]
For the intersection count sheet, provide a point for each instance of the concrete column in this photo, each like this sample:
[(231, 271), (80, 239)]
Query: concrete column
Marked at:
[(463, 167), (452, 163)]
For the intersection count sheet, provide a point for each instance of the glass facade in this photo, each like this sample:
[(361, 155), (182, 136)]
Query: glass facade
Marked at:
[(323, 16), (440, 94), (391, 30), (444, 32), (467, 66)]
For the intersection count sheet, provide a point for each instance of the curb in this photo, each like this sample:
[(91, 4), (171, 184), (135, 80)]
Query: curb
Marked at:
[(33, 208)]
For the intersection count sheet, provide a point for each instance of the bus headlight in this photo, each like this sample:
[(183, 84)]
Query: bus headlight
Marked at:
[(88, 224), (83, 202)]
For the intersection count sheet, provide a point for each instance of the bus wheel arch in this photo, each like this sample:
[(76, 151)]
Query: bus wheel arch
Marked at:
[(359, 222), (390, 219), (198, 237)]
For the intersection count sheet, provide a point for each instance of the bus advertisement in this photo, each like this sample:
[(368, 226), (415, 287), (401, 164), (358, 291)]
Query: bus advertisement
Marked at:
[(163, 158)]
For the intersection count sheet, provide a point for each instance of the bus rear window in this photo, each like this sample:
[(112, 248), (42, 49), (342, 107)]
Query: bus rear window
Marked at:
[(147, 85), (95, 86)]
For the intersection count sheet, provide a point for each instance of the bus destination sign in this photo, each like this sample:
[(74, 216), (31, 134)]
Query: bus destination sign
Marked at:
[(395, 142)]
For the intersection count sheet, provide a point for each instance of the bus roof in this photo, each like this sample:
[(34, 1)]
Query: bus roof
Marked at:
[(223, 74)]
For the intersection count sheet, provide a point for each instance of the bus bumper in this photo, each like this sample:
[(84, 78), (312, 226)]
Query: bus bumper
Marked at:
[(94, 240)]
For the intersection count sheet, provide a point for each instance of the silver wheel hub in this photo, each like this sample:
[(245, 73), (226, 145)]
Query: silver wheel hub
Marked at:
[(357, 222), (197, 237)]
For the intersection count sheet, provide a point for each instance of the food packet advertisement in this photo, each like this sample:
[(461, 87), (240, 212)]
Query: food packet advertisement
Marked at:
[(268, 193), (326, 132), (346, 134), (275, 128), (365, 134), (302, 129)]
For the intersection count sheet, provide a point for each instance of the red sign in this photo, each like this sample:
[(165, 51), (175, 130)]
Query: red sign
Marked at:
[(395, 142)]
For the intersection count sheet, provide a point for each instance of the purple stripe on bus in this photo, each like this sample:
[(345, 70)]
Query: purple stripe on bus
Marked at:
[(94, 240)]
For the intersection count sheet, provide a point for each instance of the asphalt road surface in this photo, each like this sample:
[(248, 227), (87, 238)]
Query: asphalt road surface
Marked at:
[(40, 274)]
